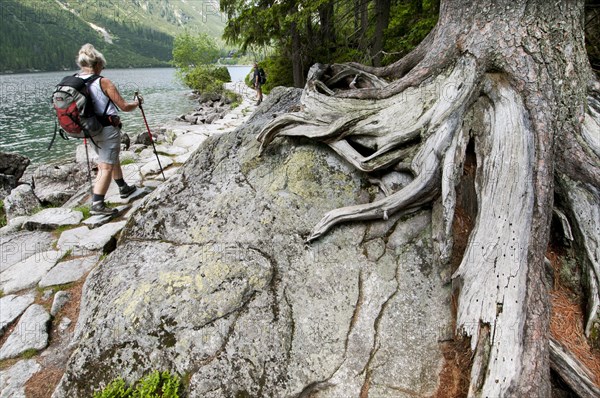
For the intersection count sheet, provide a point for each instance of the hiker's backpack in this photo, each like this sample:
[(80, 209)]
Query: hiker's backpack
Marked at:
[(262, 78), (74, 107)]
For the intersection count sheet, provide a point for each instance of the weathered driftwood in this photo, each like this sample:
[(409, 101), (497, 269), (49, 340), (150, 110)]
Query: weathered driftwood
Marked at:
[(489, 74)]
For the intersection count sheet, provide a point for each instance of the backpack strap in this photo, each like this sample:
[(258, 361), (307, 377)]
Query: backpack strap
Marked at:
[(90, 80)]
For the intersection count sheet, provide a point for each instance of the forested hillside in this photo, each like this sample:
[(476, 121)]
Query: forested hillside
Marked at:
[(46, 34)]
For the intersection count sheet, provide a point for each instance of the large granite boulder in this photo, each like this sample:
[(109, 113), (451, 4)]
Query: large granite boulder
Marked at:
[(12, 167), (22, 201), (213, 280)]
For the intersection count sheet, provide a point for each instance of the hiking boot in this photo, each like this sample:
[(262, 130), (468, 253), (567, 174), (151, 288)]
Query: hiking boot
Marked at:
[(100, 209), (127, 190)]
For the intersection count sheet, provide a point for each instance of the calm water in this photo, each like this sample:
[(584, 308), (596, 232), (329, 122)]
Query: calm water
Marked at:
[(27, 117)]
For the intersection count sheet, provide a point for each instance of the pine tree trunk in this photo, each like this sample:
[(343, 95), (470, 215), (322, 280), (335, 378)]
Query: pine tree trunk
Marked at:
[(511, 77), (382, 15)]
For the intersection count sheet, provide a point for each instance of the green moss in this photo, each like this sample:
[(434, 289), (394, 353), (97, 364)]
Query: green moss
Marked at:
[(127, 161), (30, 353), (156, 384), (570, 274)]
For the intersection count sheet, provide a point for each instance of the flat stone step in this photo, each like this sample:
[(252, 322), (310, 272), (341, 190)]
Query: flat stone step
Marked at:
[(31, 333), (68, 271), (18, 247), (50, 219), (13, 379), (82, 240), (27, 273), (11, 307)]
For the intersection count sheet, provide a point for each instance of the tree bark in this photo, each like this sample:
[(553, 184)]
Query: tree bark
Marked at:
[(512, 77), (297, 73), (382, 15), (326, 14)]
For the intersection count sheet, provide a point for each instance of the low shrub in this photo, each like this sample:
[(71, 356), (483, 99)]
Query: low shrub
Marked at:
[(155, 385)]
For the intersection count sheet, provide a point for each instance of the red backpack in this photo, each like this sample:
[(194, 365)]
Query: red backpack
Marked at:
[(74, 107)]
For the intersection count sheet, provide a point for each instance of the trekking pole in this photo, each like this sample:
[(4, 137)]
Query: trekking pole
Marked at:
[(87, 158), (135, 95)]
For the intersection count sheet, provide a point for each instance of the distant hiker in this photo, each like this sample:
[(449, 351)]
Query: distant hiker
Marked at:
[(107, 146), (258, 78)]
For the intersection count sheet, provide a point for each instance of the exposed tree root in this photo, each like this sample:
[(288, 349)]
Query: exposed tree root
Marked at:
[(572, 371), (422, 123)]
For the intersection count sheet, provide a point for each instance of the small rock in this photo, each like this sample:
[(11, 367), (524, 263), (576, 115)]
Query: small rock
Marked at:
[(13, 379), (50, 219), (211, 118), (82, 159), (64, 324), (153, 167), (26, 274), (21, 202), (31, 333), (47, 294), (60, 299), (191, 119), (143, 139), (170, 150), (190, 141), (68, 271), (125, 140), (14, 225), (12, 307)]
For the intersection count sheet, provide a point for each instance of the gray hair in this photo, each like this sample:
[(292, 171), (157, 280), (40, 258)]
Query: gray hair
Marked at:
[(90, 57)]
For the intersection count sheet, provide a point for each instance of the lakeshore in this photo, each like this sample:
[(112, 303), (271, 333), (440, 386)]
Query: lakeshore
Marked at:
[(47, 256)]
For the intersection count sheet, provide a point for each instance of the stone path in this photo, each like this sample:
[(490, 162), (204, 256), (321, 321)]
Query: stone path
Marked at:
[(42, 256)]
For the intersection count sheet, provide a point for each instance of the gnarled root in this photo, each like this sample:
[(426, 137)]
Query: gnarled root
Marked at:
[(393, 130)]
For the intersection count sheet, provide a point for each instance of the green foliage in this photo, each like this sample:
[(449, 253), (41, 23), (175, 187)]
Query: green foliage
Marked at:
[(154, 385), (3, 221), (278, 70), (125, 162), (86, 209), (190, 51), (324, 31), (115, 389), (207, 79), (234, 98)]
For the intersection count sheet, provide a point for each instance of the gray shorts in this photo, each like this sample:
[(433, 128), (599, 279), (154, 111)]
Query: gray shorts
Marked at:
[(109, 143)]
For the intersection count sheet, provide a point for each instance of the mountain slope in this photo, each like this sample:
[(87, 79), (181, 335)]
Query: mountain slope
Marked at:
[(46, 34)]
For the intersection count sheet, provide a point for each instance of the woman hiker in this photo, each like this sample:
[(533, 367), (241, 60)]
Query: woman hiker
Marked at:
[(257, 83), (105, 96)]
